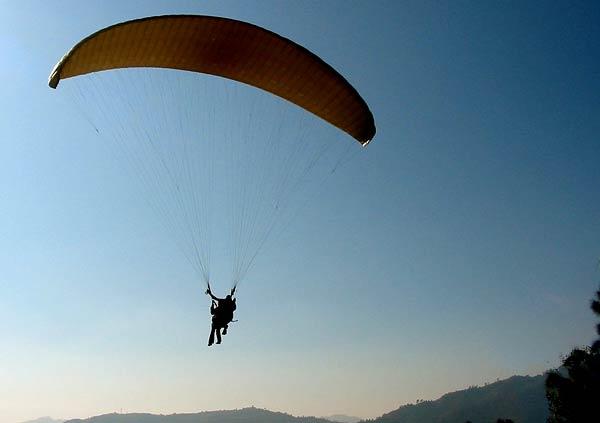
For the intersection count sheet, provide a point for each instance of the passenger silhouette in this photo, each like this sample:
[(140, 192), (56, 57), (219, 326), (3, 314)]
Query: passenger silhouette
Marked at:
[(222, 314)]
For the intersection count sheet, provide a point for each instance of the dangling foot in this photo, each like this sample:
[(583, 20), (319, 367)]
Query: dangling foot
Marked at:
[(224, 331)]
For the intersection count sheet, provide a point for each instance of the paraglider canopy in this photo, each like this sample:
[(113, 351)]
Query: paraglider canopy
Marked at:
[(215, 156), (230, 49)]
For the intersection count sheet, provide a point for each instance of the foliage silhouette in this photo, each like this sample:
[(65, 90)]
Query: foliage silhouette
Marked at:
[(573, 390)]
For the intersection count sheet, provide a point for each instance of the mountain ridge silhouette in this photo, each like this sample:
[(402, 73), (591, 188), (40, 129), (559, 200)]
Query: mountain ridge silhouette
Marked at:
[(520, 398)]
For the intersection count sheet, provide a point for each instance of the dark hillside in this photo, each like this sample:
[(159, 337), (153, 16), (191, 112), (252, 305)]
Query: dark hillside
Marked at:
[(520, 398)]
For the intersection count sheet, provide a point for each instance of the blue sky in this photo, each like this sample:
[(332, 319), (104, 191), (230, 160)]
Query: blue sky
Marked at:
[(460, 247)]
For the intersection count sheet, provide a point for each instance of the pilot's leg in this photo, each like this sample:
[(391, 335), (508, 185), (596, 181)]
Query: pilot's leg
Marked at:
[(211, 338)]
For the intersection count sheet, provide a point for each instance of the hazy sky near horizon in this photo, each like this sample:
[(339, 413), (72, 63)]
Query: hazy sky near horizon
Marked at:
[(466, 250)]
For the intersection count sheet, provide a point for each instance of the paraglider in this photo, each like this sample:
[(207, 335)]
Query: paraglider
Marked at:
[(144, 84), (221, 310)]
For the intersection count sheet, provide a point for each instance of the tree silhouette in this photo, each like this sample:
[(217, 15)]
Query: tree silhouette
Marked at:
[(573, 391)]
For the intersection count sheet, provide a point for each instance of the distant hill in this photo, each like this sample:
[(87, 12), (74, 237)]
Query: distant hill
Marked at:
[(245, 415), (520, 398), (342, 418), (45, 420)]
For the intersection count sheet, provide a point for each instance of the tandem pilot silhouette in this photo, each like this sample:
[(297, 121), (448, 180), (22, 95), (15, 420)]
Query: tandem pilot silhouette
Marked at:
[(222, 314)]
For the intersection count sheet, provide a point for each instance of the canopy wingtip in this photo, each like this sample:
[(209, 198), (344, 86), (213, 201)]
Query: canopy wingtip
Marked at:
[(53, 79)]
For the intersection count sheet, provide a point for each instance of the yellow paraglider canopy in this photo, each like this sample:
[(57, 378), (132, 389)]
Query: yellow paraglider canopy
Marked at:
[(230, 49)]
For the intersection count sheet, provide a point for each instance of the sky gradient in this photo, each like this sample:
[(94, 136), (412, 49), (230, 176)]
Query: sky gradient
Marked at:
[(461, 246)]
